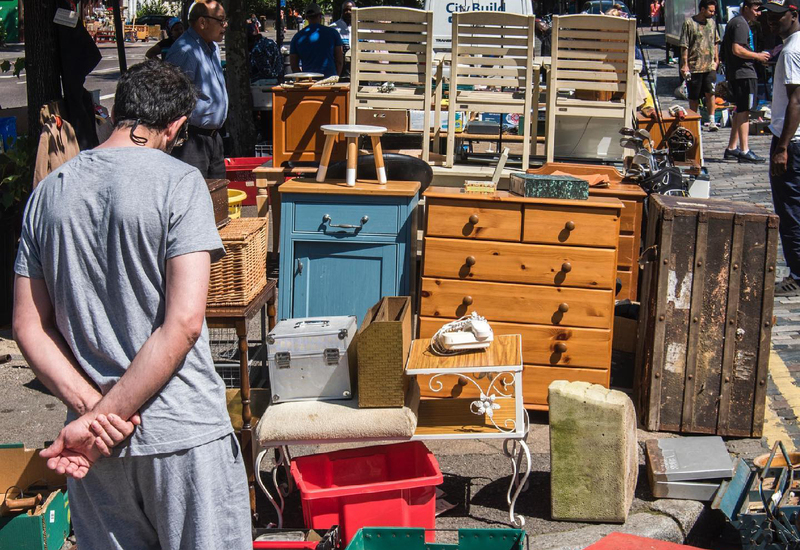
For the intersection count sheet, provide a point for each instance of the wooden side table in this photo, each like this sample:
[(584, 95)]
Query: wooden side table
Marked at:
[(239, 317)]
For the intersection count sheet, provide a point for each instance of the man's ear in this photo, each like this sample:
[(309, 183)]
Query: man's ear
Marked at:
[(113, 118), (174, 127)]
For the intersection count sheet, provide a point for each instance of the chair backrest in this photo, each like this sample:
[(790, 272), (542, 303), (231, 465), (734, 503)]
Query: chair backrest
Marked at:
[(391, 45), (492, 49), (593, 53)]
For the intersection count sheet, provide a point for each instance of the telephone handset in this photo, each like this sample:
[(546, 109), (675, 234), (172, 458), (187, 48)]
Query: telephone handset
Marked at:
[(469, 332)]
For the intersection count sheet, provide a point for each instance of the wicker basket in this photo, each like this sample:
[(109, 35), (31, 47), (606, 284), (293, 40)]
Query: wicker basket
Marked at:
[(238, 277), (383, 344)]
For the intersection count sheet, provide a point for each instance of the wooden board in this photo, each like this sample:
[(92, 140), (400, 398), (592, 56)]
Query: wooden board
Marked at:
[(517, 303), (453, 417), (362, 187), (503, 352), (519, 263)]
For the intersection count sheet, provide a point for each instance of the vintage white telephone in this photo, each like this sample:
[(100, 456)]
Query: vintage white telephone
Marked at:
[(470, 332)]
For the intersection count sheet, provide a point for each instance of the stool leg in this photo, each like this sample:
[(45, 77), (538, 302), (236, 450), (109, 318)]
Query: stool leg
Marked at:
[(377, 152), (326, 157), (352, 161)]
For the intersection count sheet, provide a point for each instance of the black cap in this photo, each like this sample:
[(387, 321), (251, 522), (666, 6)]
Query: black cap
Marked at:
[(313, 9), (781, 6)]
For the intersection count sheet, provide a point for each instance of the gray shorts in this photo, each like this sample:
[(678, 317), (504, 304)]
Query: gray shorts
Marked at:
[(192, 499)]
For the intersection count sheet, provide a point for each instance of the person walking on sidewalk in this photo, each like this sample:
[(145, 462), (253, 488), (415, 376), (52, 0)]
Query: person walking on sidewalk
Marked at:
[(109, 311), (197, 53), (740, 55), (700, 57), (784, 169), (655, 15)]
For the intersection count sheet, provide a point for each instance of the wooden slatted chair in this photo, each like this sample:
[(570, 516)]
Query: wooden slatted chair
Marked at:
[(392, 45), (592, 71), (492, 54)]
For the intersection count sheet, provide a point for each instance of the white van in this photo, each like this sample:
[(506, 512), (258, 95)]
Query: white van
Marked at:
[(443, 11)]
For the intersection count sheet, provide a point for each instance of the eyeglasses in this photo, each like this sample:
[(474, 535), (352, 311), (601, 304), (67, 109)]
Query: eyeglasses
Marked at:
[(221, 20), (183, 135)]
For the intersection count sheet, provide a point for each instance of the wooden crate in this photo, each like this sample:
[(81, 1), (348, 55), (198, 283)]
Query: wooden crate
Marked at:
[(706, 317)]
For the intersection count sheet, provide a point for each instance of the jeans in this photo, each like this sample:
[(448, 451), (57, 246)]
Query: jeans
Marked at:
[(786, 199)]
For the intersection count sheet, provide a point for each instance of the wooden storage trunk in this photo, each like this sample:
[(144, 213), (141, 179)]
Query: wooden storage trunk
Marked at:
[(238, 277), (706, 316), (382, 349)]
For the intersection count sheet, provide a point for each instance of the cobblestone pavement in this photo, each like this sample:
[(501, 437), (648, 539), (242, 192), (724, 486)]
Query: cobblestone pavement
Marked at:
[(750, 183)]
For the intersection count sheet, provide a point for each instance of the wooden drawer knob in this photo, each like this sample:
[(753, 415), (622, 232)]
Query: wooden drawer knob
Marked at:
[(570, 225), (561, 347), (566, 267), (470, 260), (563, 307), (473, 219), (467, 301)]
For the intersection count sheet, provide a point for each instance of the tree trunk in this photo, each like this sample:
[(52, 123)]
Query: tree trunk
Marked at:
[(42, 66), (237, 74)]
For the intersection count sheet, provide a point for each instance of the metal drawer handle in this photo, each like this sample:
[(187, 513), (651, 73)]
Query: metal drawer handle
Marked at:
[(566, 267), (327, 219), (570, 225), (561, 347), (467, 301), (563, 307), (473, 219), (470, 261)]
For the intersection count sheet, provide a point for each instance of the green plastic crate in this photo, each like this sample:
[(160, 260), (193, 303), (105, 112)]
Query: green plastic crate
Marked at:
[(411, 538)]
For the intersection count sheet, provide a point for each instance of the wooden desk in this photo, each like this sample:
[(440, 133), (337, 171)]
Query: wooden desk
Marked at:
[(238, 317)]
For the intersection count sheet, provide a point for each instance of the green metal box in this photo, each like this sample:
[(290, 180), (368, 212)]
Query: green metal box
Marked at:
[(548, 186), (411, 538)]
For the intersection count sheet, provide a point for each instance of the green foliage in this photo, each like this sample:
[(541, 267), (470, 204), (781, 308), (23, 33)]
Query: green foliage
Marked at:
[(153, 7), (18, 66), (3, 33), (16, 174)]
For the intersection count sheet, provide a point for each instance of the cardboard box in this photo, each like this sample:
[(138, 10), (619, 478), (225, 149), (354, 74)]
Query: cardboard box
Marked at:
[(393, 121), (47, 529), (417, 119)]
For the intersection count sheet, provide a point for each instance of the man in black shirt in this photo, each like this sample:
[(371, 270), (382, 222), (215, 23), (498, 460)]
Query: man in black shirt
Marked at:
[(740, 55)]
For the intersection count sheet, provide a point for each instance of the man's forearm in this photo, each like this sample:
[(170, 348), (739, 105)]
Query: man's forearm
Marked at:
[(150, 370), (56, 367), (684, 57)]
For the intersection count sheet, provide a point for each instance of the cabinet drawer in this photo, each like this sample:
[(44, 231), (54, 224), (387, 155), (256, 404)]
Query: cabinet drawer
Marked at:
[(474, 220), (382, 219), (627, 220), (578, 226), (536, 379), (627, 255), (515, 303), (547, 345), (519, 263)]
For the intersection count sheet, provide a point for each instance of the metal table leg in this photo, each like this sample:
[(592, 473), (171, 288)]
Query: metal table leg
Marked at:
[(519, 478), (282, 459)]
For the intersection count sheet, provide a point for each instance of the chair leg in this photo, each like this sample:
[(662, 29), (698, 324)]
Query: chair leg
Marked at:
[(326, 157), (352, 160), (377, 152)]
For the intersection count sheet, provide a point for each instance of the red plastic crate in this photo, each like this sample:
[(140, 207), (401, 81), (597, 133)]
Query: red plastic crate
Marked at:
[(620, 541), (380, 486), (240, 173)]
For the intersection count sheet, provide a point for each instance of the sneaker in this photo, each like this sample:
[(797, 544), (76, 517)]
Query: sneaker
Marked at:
[(712, 126), (750, 157), (787, 288), (732, 154)]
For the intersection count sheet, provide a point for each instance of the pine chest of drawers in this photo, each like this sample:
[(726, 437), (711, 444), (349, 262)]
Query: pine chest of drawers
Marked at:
[(542, 268)]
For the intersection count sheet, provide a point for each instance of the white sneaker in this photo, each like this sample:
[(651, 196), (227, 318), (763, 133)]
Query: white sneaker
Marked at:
[(712, 126)]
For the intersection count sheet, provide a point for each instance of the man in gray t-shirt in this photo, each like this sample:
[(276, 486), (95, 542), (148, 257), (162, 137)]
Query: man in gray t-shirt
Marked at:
[(112, 278)]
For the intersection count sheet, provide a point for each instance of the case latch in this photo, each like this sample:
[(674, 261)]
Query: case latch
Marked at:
[(331, 356), (283, 359), (342, 334)]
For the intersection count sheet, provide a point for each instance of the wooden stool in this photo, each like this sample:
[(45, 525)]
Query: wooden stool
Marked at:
[(352, 132)]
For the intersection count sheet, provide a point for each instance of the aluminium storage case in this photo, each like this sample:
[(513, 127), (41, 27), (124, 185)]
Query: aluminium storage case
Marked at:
[(706, 317), (312, 358)]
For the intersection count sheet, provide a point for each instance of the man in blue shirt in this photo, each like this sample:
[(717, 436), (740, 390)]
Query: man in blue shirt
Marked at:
[(317, 49), (197, 53)]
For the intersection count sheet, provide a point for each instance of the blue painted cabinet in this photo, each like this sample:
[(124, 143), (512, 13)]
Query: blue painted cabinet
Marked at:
[(343, 248)]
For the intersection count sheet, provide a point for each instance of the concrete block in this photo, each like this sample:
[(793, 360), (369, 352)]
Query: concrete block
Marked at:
[(593, 452)]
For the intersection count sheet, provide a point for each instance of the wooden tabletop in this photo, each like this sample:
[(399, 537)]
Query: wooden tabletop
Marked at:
[(362, 187), (505, 196), (241, 312), (504, 354)]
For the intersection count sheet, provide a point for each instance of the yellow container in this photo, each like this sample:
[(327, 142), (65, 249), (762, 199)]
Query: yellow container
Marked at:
[(235, 200)]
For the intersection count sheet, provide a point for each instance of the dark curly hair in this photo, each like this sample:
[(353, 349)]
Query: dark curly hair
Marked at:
[(153, 94)]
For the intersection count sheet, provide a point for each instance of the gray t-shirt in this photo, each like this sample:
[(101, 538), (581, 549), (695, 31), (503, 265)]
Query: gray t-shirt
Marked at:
[(99, 231)]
